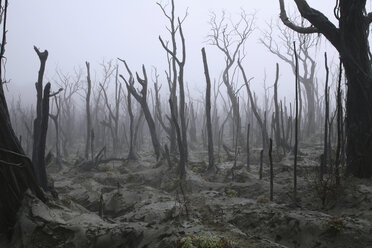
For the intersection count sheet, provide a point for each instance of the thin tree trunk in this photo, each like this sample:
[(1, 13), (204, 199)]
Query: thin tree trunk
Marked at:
[(211, 165), (87, 109)]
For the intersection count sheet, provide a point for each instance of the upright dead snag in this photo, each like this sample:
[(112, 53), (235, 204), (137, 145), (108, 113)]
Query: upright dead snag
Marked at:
[(41, 122), (87, 109), (296, 132), (211, 165), (180, 62), (56, 120), (271, 171), (323, 163)]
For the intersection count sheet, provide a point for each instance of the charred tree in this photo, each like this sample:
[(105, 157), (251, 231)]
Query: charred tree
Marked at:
[(296, 130), (41, 122), (350, 39), (141, 98), (211, 165), (87, 109), (56, 120), (176, 26), (16, 169)]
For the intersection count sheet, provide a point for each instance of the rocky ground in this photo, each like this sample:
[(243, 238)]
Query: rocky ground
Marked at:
[(145, 205)]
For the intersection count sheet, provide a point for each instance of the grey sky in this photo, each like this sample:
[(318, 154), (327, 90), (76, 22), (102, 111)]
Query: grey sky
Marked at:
[(75, 31)]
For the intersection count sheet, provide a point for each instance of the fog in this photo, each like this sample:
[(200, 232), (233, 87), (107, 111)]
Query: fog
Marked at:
[(260, 138), (77, 31)]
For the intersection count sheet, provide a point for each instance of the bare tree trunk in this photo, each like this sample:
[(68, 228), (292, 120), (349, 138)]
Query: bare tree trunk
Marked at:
[(142, 100), (351, 41), (87, 109), (296, 131), (254, 108), (182, 162), (261, 164), (248, 144), (211, 165), (132, 154), (323, 165), (41, 122), (271, 171), (16, 170), (55, 119), (278, 139), (339, 127)]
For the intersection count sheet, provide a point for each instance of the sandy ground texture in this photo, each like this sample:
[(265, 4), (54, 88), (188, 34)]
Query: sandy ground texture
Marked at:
[(145, 205)]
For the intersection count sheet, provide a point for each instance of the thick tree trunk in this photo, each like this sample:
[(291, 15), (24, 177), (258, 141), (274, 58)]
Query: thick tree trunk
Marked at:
[(41, 123), (16, 170), (351, 41), (354, 55)]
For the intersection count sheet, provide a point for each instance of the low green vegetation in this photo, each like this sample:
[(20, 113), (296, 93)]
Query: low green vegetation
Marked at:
[(204, 242)]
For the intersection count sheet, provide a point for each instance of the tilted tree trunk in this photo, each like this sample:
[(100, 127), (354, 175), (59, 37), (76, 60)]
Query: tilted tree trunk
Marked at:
[(55, 118), (265, 138), (141, 98)]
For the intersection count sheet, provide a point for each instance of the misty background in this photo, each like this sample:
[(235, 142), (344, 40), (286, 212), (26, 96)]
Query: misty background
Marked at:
[(77, 31)]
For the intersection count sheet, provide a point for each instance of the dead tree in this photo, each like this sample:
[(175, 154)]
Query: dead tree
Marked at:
[(41, 122), (141, 98), (296, 129), (350, 39), (182, 161), (262, 124), (230, 41), (56, 120), (211, 165), (132, 153), (323, 164), (87, 109), (16, 170), (177, 74), (339, 127), (248, 145), (71, 87), (278, 139), (308, 64), (271, 171), (114, 113)]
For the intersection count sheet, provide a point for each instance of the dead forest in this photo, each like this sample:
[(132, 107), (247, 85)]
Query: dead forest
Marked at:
[(131, 155)]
